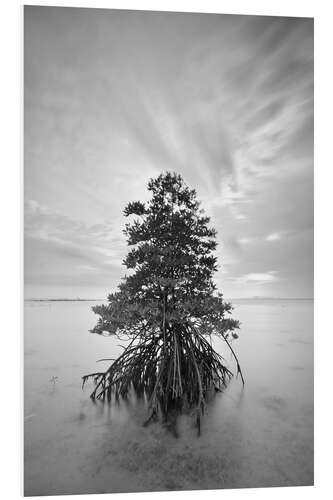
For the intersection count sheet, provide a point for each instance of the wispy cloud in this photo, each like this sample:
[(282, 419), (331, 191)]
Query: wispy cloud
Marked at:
[(273, 236), (60, 249), (258, 278), (246, 240)]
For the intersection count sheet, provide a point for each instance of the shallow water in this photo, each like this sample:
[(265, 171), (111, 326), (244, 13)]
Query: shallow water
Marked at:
[(258, 436)]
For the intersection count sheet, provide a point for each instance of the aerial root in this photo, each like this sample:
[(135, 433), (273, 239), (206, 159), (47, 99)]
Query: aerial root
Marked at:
[(173, 373)]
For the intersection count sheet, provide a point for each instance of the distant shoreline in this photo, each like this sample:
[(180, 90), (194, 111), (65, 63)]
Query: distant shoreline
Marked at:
[(64, 300), (233, 299)]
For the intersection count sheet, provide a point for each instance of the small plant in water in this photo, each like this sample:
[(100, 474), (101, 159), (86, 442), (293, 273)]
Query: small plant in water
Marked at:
[(168, 307)]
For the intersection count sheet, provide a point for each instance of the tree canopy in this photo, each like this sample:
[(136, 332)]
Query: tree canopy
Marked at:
[(173, 262)]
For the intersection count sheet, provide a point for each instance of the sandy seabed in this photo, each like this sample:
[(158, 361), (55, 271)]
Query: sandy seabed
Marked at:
[(258, 436)]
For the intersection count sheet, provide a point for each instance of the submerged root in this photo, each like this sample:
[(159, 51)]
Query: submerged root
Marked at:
[(174, 372)]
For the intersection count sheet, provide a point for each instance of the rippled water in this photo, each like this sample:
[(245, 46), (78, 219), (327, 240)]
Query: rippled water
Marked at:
[(258, 436)]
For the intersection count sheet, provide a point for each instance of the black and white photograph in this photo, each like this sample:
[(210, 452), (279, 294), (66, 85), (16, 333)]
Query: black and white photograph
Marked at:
[(168, 251)]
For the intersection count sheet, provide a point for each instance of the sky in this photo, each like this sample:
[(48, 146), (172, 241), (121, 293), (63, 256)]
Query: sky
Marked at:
[(113, 98)]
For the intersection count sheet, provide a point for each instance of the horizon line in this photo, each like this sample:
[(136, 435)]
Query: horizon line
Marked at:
[(79, 299)]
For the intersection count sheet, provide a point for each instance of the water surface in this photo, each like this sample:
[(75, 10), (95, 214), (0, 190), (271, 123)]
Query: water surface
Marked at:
[(258, 436)]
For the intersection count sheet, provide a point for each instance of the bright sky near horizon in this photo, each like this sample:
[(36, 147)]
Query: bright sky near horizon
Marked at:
[(113, 98)]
